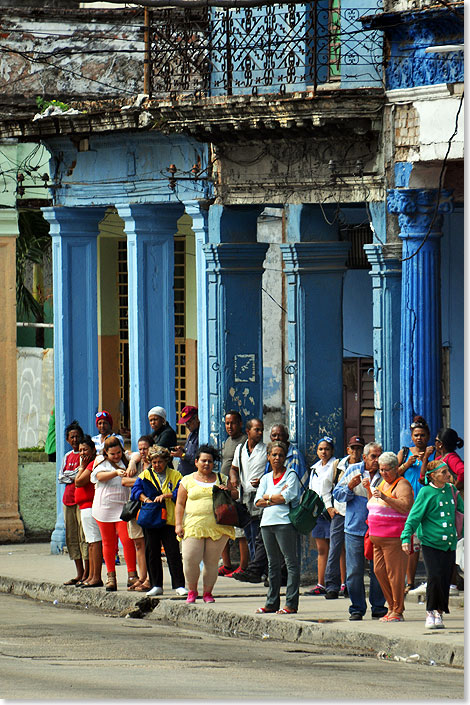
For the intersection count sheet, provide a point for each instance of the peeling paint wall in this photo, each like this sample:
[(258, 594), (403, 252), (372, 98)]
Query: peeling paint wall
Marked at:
[(35, 370), (71, 53), (270, 231)]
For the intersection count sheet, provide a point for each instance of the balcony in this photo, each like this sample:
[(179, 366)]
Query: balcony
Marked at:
[(269, 49)]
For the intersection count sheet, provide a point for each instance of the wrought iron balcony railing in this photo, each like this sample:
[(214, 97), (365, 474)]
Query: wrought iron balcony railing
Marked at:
[(265, 49)]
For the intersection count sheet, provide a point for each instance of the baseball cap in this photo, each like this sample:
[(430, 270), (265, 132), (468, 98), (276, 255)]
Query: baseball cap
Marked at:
[(356, 441), (187, 413)]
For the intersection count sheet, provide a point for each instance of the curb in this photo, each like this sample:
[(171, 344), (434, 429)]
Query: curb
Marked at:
[(176, 611)]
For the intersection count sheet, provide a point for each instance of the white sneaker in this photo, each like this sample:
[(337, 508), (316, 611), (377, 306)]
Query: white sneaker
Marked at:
[(154, 591), (430, 621), (453, 590), (181, 592), (420, 590), (438, 623)]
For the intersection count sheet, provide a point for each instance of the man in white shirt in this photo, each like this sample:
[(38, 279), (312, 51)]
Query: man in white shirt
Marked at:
[(249, 462)]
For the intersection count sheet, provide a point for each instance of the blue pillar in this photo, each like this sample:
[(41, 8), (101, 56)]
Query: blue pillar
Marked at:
[(199, 212), (314, 273), (150, 231), (386, 302), (420, 221), (234, 267), (74, 233)]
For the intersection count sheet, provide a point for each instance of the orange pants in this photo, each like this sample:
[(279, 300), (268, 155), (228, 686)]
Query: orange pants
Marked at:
[(109, 531), (390, 568)]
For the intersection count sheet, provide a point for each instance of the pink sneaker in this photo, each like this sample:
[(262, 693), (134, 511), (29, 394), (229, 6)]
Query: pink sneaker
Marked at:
[(191, 599), (208, 597)]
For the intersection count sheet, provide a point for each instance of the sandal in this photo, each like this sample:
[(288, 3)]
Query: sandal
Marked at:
[(286, 610), (264, 610), (135, 585), (408, 587), (72, 581)]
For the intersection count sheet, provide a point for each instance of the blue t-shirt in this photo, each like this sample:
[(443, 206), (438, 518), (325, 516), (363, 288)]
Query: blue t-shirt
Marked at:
[(413, 473)]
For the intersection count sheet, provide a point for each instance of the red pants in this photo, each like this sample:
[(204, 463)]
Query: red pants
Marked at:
[(109, 531)]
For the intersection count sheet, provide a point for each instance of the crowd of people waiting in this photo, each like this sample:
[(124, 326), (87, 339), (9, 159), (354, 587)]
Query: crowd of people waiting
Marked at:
[(379, 506)]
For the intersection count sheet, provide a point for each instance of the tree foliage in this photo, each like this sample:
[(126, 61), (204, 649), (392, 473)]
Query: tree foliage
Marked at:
[(33, 245)]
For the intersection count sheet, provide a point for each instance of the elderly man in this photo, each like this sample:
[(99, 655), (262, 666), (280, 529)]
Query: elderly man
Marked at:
[(162, 433), (294, 461), (187, 455), (353, 490), (336, 564)]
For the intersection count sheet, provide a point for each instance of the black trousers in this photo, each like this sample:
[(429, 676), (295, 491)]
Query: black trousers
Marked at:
[(154, 538), (439, 566)]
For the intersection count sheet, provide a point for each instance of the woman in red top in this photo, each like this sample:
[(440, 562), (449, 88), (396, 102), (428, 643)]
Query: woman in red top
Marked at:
[(446, 442), (84, 493), (74, 537)]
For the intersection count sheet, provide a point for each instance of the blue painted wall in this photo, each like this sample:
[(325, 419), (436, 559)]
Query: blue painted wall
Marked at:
[(128, 168), (357, 314), (452, 299)]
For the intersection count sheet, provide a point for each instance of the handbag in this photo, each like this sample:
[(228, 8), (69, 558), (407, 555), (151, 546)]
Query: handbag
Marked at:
[(458, 515), (368, 547), (305, 516), (130, 509), (228, 511), (152, 515)]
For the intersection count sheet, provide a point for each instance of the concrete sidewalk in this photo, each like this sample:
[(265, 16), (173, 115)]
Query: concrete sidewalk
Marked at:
[(30, 570)]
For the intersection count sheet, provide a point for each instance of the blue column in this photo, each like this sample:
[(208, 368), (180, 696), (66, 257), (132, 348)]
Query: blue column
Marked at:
[(386, 301), (199, 212), (420, 221), (150, 231), (74, 233), (234, 266), (314, 273)]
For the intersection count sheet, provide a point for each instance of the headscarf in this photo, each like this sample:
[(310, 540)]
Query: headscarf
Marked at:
[(157, 411)]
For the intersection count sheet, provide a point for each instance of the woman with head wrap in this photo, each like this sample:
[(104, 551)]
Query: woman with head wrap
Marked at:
[(104, 424), (162, 433)]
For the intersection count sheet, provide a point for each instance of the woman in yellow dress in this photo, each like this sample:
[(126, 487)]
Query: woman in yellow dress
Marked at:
[(203, 539)]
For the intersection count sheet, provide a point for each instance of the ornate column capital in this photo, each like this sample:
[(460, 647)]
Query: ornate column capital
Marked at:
[(303, 257), (418, 210)]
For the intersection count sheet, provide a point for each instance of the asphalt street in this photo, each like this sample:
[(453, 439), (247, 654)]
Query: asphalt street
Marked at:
[(50, 652)]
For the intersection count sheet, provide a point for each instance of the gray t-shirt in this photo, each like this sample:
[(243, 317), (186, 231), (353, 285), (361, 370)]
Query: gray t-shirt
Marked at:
[(228, 450)]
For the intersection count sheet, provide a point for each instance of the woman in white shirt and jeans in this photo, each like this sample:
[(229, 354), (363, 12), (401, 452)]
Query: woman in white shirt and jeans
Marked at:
[(278, 491)]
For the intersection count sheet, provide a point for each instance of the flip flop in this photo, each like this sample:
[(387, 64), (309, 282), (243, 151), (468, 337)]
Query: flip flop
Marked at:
[(72, 581), (286, 610), (264, 610)]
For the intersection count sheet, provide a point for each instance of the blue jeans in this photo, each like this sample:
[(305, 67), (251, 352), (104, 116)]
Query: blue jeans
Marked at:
[(355, 565), (251, 532), (333, 572), (281, 540)]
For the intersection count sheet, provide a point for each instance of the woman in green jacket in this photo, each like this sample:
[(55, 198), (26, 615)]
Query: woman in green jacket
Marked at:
[(433, 518)]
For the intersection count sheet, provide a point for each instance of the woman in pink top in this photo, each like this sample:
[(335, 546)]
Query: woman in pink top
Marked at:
[(389, 505)]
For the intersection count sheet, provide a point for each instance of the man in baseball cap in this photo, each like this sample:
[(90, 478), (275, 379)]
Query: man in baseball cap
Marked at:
[(335, 573), (189, 417)]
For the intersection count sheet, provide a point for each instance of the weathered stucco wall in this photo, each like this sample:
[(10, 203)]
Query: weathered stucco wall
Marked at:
[(270, 231), (60, 53), (35, 370), (37, 498)]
